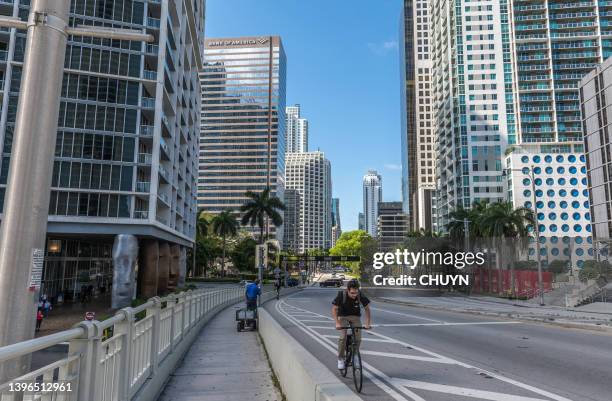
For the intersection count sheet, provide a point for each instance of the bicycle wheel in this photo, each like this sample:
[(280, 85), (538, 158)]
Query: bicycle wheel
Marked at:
[(357, 372)]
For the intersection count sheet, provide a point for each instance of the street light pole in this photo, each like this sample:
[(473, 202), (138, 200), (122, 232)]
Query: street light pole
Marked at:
[(24, 224)]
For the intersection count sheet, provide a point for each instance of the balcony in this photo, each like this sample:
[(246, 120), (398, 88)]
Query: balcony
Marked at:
[(148, 102), (141, 214), (164, 146), (145, 158), (153, 23), (164, 198), (143, 186), (149, 75), (147, 130), (164, 173)]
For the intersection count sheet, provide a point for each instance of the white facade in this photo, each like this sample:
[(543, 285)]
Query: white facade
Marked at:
[(309, 173), (297, 130), (561, 201), (372, 194), (474, 100)]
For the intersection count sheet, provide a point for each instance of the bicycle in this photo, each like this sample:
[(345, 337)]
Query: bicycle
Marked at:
[(352, 355)]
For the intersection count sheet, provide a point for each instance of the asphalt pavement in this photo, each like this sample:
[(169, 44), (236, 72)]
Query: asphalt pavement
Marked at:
[(420, 354)]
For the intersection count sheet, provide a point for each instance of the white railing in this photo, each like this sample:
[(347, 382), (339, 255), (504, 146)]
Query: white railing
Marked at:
[(123, 357)]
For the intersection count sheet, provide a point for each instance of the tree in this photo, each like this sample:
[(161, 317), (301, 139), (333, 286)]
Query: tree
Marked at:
[(224, 225), (243, 254), (207, 250), (350, 243), (501, 221), (259, 208)]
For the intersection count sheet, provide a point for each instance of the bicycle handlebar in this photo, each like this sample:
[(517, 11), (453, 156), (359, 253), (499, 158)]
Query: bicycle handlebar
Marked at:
[(353, 327)]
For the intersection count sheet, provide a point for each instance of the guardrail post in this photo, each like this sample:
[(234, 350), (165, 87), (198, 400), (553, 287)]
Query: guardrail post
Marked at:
[(87, 347), (155, 312), (124, 327), (171, 303)]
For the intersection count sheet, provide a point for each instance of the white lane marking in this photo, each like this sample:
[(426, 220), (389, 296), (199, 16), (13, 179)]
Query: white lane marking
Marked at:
[(327, 344), (463, 391), (442, 324), (375, 340), (465, 365), (468, 366), (405, 356), (406, 314), (314, 321)]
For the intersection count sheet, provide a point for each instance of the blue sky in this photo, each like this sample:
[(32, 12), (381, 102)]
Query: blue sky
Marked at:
[(343, 68)]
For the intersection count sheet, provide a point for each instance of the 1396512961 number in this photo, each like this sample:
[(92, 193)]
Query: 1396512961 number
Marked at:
[(29, 387)]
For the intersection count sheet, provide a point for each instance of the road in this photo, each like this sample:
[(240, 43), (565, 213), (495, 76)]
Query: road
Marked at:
[(420, 354)]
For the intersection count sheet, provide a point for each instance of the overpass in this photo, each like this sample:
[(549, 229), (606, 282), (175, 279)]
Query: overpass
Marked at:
[(432, 352)]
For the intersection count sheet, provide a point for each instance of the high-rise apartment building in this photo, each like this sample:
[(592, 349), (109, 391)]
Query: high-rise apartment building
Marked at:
[(297, 130), (392, 225), (417, 135), (335, 221), (372, 194), (126, 153), (309, 173), (242, 142), (473, 90), (361, 221), (596, 106)]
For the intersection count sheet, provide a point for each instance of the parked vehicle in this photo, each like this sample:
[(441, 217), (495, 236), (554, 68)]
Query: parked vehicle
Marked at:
[(332, 282), (292, 282)]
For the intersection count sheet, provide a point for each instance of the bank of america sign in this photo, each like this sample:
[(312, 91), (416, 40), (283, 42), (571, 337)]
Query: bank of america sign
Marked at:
[(239, 42)]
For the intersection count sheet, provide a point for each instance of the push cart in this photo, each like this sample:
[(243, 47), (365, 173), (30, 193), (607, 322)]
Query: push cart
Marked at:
[(246, 318)]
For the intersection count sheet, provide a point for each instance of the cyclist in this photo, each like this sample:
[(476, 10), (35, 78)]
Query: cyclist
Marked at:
[(347, 308), (277, 286)]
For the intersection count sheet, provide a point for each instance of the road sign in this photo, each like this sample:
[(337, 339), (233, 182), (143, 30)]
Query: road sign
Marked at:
[(90, 316)]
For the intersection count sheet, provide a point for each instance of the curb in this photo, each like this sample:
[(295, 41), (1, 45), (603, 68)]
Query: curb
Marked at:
[(302, 377)]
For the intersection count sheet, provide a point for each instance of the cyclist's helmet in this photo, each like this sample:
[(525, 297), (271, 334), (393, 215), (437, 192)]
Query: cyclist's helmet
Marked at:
[(353, 283)]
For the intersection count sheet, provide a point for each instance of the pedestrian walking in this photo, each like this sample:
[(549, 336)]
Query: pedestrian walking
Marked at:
[(39, 319), (47, 308)]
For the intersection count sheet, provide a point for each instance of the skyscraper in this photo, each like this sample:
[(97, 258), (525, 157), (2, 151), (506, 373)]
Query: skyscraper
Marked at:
[(242, 142), (335, 223), (392, 225), (474, 102), (297, 130), (291, 224), (372, 194), (126, 152), (309, 173), (417, 135)]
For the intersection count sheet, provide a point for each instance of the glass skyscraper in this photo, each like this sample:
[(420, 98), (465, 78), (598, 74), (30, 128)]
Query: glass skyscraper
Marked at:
[(242, 142), (126, 153)]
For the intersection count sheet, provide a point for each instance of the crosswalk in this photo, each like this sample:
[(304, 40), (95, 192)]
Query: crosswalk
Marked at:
[(393, 365)]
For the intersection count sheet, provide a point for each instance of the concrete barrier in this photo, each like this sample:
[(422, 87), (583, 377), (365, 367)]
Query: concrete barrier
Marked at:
[(302, 377)]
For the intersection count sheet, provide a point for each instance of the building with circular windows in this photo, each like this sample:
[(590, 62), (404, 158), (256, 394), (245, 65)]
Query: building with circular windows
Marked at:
[(559, 197)]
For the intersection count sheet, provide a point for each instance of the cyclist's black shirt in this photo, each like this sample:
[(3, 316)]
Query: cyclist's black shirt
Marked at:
[(351, 306)]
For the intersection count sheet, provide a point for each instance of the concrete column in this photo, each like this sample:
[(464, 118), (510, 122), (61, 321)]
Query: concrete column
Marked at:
[(163, 268), (182, 266), (148, 269), (175, 253), (125, 256)]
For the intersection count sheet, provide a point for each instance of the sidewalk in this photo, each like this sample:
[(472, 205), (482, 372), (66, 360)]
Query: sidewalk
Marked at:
[(223, 365)]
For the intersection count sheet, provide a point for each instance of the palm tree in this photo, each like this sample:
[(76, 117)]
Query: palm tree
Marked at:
[(224, 225), (202, 224), (259, 208), (502, 221)]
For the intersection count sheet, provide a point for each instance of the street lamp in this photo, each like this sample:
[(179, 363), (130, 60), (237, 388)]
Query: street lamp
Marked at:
[(24, 224)]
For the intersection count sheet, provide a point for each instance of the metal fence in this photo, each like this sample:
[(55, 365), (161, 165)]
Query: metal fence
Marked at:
[(118, 358)]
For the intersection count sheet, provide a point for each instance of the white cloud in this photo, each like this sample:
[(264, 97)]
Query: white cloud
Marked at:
[(381, 48), (391, 166)]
